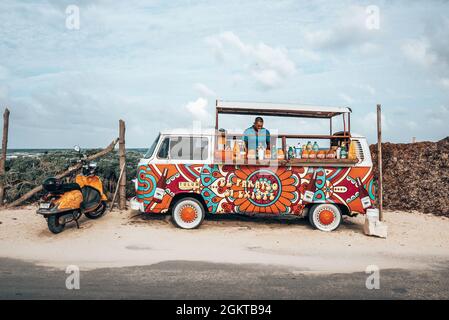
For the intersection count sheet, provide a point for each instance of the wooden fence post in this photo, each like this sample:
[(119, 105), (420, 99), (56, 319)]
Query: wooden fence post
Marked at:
[(3, 155), (122, 155), (379, 159)]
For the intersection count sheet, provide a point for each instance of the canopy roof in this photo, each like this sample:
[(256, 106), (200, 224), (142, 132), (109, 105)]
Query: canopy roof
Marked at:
[(279, 109)]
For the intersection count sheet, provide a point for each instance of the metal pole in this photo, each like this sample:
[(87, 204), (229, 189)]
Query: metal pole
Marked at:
[(379, 159), (3, 155), (216, 115), (122, 154)]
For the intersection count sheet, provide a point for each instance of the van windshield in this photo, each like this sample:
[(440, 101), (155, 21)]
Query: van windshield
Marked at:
[(151, 150)]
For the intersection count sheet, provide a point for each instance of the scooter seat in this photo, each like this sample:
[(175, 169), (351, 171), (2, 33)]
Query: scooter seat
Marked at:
[(65, 187)]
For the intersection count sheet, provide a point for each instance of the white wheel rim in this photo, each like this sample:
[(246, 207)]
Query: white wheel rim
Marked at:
[(188, 214), (326, 217)]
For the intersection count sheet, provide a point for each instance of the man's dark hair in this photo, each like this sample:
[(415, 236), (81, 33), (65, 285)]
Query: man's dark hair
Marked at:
[(259, 119)]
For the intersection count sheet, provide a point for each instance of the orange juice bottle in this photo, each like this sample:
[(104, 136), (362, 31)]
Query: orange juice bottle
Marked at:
[(281, 155), (352, 151)]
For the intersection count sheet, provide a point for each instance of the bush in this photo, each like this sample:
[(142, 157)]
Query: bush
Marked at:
[(27, 172)]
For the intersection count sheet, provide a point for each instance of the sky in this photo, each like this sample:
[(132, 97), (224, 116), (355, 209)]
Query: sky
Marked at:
[(69, 70)]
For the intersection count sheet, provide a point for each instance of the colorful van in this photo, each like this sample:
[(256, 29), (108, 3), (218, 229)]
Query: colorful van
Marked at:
[(189, 174)]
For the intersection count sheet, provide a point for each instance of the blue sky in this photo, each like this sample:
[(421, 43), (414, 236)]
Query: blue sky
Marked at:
[(162, 64)]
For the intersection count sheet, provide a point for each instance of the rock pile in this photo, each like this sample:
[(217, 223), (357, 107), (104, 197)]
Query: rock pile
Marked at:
[(415, 176)]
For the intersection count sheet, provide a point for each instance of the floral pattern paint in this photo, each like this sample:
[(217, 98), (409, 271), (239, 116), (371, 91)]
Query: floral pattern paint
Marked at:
[(255, 189)]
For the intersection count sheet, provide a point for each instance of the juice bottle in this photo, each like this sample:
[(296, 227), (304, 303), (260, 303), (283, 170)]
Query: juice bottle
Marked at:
[(291, 153), (236, 150), (309, 146), (260, 152), (343, 152), (352, 151), (298, 151), (281, 155)]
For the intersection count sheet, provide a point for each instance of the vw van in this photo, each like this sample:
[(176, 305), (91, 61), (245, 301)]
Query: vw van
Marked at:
[(190, 174)]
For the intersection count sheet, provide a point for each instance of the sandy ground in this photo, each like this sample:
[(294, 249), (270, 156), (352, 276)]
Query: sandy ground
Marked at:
[(124, 238)]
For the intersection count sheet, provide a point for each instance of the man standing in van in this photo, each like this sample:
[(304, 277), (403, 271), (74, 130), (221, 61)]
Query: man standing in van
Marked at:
[(257, 135)]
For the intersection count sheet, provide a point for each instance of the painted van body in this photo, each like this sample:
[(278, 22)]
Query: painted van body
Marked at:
[(253, 189)]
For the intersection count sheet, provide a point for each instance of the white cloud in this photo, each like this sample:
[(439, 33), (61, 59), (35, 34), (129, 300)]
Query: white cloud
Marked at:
[(269, 66), (444, 82), (369, 121), (198, 109), (417, 50), (348, 30), (204, 90), (4, 73), (431, 50), (367, 88), (346, 98)]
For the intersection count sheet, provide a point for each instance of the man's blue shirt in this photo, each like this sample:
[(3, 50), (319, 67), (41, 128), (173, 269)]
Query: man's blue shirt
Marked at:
[(253, 138)]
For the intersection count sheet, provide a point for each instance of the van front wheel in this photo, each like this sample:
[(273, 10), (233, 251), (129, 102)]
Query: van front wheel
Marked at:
[(188, 213), (325, 216)]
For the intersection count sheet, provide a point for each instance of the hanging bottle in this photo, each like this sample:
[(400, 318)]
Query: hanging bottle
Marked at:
[(310, 189), (363, 195), (159, 192)]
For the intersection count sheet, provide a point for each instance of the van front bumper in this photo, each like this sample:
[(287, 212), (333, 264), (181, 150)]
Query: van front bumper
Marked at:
[(136, 205)]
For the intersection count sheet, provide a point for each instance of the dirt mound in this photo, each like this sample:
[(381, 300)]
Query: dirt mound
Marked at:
[(415, 176)]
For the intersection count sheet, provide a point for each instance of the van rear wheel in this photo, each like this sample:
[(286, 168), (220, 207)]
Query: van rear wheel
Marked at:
[(188, 213), (325, 216)]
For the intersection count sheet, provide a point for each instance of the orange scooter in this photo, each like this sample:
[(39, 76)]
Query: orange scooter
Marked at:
[(67, 202)]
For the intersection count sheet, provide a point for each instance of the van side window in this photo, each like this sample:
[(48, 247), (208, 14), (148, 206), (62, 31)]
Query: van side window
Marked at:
[(163, 150), (189, 148)]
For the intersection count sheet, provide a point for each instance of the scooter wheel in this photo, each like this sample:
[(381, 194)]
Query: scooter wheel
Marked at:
[(53, 224), (97, 213)]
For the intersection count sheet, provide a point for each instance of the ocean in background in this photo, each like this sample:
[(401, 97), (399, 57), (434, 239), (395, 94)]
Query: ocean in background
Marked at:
[(36, 153)]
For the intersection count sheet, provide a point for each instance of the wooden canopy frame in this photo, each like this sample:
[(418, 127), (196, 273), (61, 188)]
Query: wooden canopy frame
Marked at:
[(288, 110)]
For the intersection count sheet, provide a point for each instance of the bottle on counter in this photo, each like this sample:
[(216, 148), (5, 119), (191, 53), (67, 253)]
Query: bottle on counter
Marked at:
[(309, 146), (338, 152), (344, 151), (315, 147), (236, 150), (352, 154), (291, 153), (260, 152), (305, 153), (298, 151), (280, 154)]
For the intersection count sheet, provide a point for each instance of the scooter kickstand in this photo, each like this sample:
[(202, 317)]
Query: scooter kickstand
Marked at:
[(76, 220)]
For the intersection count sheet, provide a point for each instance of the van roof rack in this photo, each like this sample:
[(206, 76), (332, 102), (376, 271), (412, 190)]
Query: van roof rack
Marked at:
[(279, 109), (285, 110)]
